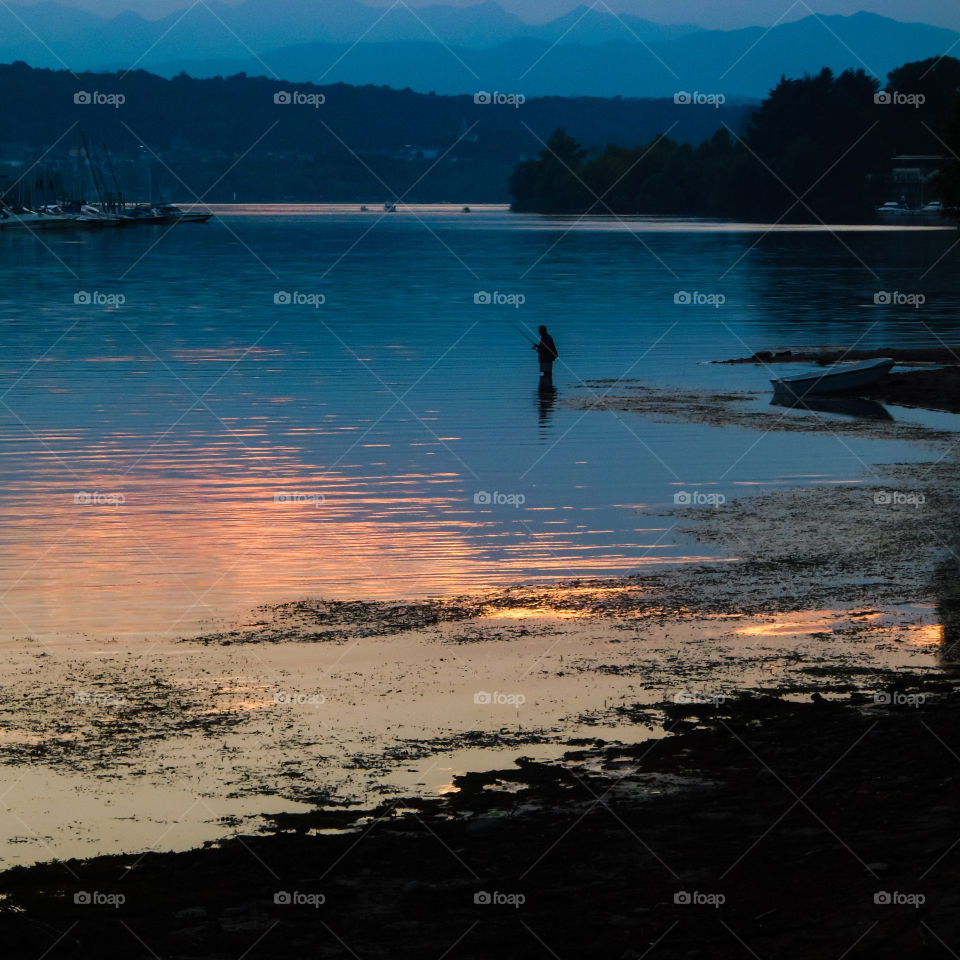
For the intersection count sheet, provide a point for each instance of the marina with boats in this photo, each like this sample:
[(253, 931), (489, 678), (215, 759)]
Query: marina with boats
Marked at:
[(41, 201)]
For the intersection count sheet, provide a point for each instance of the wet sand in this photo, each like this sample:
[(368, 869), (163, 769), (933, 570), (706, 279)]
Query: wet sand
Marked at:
[(776, 729)]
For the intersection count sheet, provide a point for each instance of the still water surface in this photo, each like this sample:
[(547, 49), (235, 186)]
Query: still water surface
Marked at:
[(227, 449)]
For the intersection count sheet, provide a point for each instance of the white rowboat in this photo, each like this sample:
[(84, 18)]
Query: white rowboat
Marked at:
[(839, 378)]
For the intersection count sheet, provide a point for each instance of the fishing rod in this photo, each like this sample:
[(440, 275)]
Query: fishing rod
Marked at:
[(523, 333)]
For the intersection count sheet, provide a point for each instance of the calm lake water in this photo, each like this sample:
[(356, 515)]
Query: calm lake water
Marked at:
[(200, 448)]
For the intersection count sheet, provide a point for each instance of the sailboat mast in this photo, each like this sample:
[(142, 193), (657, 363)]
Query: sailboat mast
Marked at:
[(93, 172), (121, 206)]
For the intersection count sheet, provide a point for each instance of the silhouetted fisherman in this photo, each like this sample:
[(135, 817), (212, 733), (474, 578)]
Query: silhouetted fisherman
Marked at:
[(546, 354)]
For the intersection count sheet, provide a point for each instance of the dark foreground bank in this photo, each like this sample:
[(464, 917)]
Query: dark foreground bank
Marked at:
[(759, 828)]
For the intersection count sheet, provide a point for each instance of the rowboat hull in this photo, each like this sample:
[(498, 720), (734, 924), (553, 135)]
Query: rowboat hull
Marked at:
[(832, 380)]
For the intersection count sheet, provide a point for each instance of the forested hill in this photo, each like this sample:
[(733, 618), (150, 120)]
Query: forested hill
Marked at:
[(315, 143), (820, 147)]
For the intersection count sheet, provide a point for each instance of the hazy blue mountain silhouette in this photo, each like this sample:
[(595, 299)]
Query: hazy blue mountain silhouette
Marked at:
[(42, 33), (462, 50), (737, 63)]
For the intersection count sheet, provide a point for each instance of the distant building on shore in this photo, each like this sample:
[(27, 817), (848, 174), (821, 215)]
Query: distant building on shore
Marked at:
[(911, 175)]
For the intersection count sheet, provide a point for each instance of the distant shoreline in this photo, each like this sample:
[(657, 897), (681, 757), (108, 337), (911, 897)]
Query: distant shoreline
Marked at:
[(678, 224)]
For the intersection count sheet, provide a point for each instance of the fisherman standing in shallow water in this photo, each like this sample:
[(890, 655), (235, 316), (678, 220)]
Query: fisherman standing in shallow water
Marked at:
[(546, 354)]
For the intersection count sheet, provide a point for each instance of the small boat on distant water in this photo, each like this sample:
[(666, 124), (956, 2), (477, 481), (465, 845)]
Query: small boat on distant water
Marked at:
[(160, 211), (894, 208), (839, 378), (185, 216), (143, 213)]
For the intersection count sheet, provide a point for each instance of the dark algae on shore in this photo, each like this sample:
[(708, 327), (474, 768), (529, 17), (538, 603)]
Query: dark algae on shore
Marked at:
[(762, 827)]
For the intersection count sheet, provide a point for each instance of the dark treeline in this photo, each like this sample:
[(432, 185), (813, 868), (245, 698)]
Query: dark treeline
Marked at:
[(201, 127), (817, 147)]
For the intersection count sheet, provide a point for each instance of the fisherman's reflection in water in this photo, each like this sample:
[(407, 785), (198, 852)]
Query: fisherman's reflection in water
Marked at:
[(546, 401)]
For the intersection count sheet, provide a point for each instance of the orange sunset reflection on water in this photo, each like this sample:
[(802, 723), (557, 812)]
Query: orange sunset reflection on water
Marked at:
[(174, 539), (814, 621)]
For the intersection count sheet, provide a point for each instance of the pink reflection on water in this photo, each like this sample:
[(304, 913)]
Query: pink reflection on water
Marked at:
[(163, 539)]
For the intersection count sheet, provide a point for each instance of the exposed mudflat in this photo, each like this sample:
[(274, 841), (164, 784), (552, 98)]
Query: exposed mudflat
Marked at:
[(938, 355), (748, 410)]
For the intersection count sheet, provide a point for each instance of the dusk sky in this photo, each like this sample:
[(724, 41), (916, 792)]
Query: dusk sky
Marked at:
[(708, 13)]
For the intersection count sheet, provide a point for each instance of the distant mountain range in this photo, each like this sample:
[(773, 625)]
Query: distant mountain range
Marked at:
[(461, 50)]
